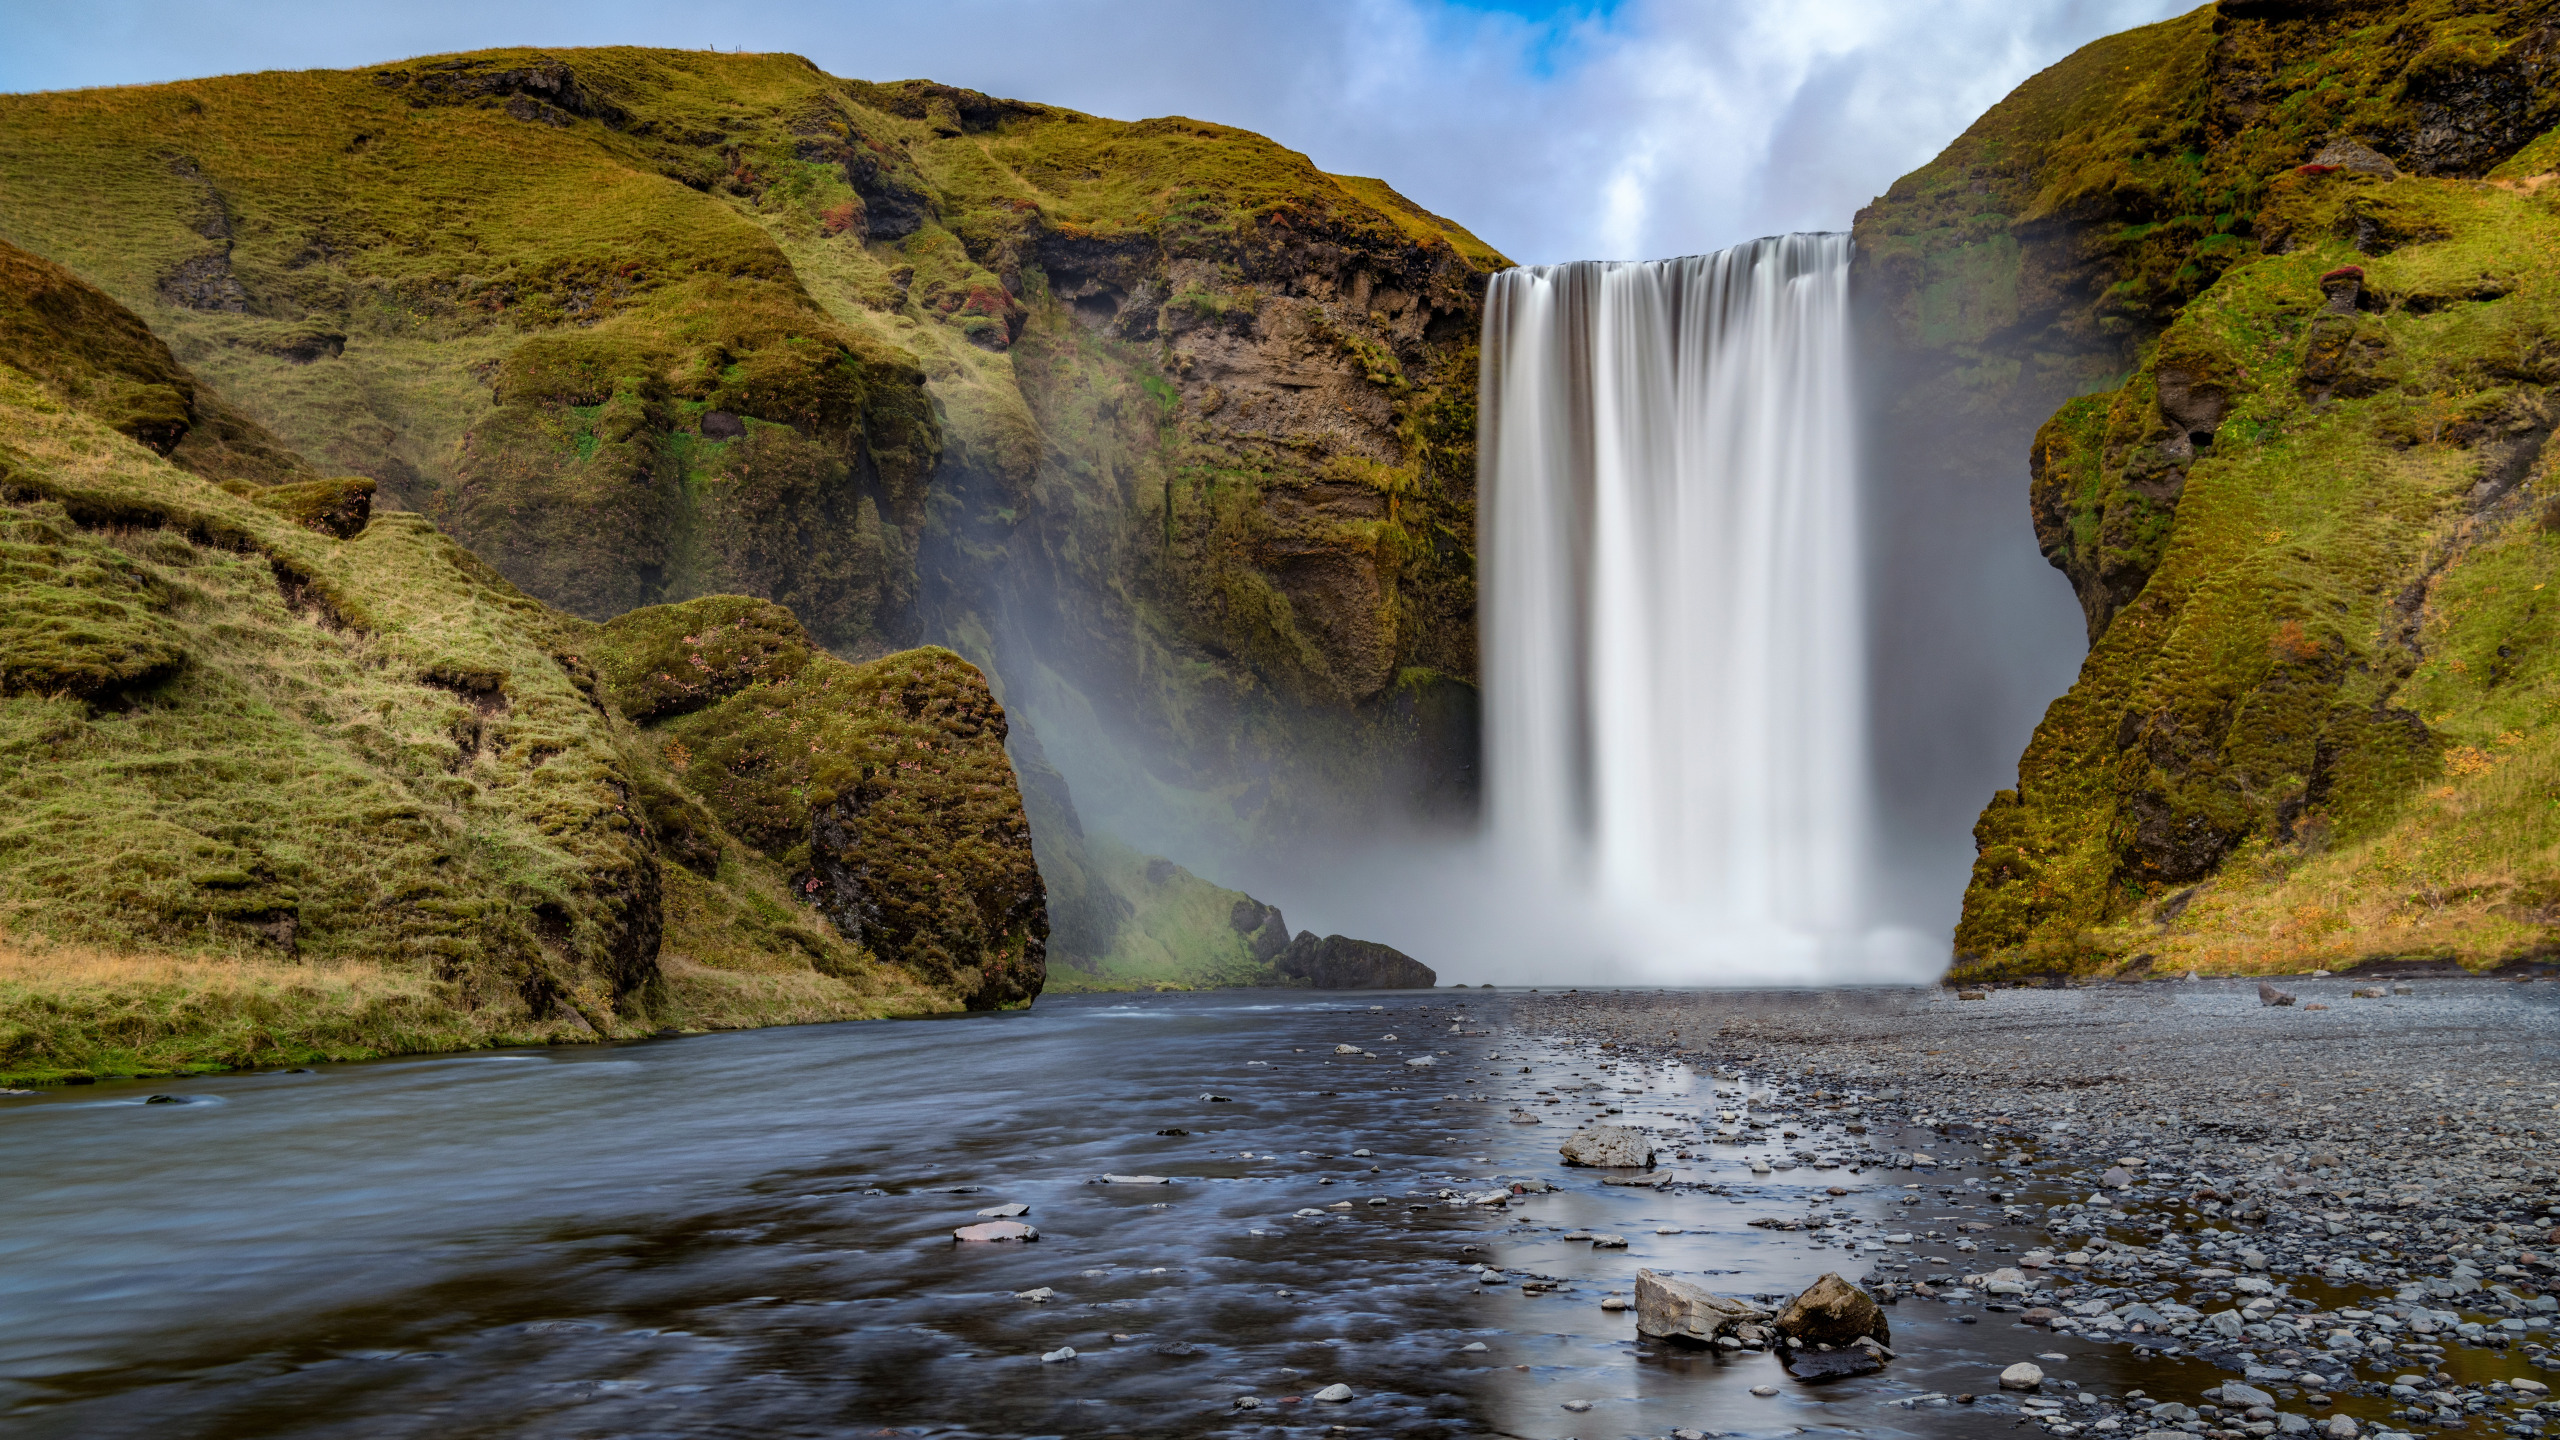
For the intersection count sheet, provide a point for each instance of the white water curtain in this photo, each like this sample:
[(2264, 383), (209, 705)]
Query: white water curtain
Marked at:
[(1675, 657)]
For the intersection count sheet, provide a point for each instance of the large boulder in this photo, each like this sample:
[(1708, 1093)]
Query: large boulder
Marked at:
[(1266, 934), (1607, 1145), (1668, 1309), (1831, 1311), (1338, 962)]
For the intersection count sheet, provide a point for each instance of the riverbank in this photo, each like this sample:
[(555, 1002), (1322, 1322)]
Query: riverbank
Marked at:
[(77, 1014), (2341, 1206)]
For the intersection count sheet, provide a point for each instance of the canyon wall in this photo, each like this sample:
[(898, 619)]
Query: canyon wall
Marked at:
[(2265, 297)]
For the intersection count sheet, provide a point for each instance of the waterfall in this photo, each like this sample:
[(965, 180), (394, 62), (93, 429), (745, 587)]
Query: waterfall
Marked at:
[(1675, 722)]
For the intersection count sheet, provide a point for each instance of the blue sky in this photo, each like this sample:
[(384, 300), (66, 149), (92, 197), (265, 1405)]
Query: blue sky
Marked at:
[(1555, 130)]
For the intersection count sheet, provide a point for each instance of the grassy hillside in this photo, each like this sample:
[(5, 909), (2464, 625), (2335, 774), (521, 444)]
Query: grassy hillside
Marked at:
[(1158, 403), (366, 795), (2303, 265)]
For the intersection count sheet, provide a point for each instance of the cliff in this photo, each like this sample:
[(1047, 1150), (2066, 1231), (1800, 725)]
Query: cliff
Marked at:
[(1165, 428), (288, 779), (2282, 278)]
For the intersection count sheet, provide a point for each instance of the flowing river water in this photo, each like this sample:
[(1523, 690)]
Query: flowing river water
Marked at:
[(750, 1234)]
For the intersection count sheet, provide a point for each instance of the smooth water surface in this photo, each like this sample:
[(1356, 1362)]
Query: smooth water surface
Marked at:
[(750, 1234)]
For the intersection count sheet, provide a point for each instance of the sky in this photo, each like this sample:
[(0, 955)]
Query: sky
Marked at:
[(1628, 130)]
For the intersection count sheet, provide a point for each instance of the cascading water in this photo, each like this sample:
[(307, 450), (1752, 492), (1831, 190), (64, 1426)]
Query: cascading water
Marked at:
[(1675, 664)]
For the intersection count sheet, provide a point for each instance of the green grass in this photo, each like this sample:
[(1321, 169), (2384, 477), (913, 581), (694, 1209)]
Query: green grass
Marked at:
[(270, 794), (1178, 936)]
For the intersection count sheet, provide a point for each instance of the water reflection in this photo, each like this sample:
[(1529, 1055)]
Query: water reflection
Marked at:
[(750, 1234)]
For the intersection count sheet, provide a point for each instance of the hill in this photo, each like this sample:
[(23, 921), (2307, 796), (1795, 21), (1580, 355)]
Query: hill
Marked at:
[(2283, 280), (1168, 430), (285, 779)]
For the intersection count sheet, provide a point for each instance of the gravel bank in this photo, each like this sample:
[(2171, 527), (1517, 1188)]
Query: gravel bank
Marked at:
[(2349, 1210)]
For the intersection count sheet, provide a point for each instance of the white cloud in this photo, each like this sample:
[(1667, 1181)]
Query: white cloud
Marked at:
[(1654, 127)]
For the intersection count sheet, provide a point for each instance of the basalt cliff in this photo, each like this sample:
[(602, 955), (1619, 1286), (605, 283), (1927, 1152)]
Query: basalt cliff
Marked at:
[(2269, 297), (739, 380)]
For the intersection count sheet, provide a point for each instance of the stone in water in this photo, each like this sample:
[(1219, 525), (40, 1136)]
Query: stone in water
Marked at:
[(996, 1230)]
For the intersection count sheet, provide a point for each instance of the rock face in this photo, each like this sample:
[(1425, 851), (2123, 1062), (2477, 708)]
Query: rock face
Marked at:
[(882, 789), (1338, 962), (1831, 1311), (2224, 705), (1669, 1309), (1608, 1145)]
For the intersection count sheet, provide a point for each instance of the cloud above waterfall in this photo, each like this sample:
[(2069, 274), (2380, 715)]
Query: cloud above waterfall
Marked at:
[(1554, 130)]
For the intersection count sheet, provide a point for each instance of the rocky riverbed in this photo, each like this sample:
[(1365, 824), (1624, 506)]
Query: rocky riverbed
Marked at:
[(2334, 1216)]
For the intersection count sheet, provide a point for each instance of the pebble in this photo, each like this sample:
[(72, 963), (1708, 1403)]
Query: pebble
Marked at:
[(1003, 1212), (1064, 1352), (1041, 1296), (1332, 1394), (1764, 1391), (2025, 1375), (2406, 1170)]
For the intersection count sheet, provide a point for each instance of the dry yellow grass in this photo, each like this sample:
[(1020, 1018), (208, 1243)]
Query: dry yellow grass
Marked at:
[(68, 1011), (75, 1011)]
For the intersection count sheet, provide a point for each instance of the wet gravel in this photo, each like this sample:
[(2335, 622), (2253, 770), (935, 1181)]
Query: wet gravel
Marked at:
[(2288, 1213)]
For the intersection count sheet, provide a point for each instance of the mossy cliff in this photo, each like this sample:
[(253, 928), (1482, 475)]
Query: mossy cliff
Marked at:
[(1154, 418), (381, 799), (2304, 266)]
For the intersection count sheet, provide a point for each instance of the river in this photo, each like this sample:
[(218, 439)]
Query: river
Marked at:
[(750, 1234)]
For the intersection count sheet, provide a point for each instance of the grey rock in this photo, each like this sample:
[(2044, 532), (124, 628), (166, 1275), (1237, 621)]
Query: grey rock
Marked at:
[(996, 1230), (1338, 962), (1668, 1309), (2235, 1393), (1618, 1146), (2025, 1375), (2270, 995), (2355, 156), (1827, 1364)]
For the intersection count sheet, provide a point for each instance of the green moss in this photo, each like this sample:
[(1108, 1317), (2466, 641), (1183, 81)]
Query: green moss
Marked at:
[(2262, 716), (882, 789), (364, 794)]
